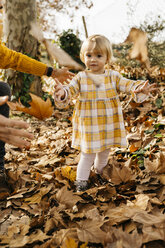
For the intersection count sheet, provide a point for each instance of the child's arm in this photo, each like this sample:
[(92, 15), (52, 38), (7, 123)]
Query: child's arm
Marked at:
[(139, 89), (60, 93), (61, 98), (63, 94)]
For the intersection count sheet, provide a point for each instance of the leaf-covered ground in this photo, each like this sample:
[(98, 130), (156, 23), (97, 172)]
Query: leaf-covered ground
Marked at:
[(126, 210)]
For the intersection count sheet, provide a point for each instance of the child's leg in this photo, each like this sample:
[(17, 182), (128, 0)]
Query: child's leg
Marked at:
[(101, 160), (84, 166)]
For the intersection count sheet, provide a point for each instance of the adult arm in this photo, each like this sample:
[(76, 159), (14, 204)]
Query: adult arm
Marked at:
[(23, 63)]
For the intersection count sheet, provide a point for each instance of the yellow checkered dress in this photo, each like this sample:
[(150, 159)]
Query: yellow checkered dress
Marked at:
[(98, 120)]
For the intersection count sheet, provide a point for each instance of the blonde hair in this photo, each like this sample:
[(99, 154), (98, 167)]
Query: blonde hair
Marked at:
[(101, 43)]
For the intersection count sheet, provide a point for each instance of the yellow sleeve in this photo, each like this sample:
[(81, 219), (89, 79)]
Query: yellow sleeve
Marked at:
[(20, 62)]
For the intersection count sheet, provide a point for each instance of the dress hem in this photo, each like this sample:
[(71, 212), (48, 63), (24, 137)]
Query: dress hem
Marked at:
[(98, 150)]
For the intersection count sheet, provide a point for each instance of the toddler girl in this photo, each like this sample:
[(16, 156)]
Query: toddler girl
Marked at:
[(98, 121)]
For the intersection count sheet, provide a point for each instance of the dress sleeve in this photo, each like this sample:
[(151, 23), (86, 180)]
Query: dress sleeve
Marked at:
[(71, 91), (129, 86)]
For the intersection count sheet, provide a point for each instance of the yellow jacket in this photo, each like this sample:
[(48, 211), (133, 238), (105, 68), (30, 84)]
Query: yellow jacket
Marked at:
[(20, 62)]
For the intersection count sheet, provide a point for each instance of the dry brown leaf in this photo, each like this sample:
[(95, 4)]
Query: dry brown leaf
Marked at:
[(157, 165), (119, 175), (36, 198), (19, 241), (162, 179), (67, 197), (50, 224), (89, 231), (139, 49), (39, 108), (62, 235), (134, 136), (149, 219), (93, 214), (125, 240), (118, 214), (37, 236), (152, 233), (141, 201), (3, 195)]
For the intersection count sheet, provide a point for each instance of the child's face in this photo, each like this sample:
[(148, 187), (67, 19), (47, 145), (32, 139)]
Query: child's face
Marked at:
[(93, 59)]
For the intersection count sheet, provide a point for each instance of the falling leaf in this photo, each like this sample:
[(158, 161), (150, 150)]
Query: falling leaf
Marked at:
[(139, 49), (39, 108), (63, 58)]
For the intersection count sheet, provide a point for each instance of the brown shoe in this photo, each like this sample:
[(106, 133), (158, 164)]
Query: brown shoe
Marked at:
[(4, 188)]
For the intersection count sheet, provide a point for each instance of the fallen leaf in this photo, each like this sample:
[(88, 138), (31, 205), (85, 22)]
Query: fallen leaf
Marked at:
[(36, 198), (66, 197), (89, 231), (119, 175), (157, 165), (126, 240), (152, 233), (133, 148), (69, 242), (141, 201), (69, 173)]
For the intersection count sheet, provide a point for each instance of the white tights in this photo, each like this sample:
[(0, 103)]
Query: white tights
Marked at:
[(87, 160)]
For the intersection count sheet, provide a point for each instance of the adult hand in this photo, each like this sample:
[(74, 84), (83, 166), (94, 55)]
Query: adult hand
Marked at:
[(62, 74), (12, 131)]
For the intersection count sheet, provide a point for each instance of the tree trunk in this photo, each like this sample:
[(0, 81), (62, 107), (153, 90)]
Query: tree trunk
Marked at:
[(18, 16)]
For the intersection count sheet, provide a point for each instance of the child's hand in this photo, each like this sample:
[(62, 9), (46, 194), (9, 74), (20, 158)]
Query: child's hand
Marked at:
[(59, 91), (146, 88)]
